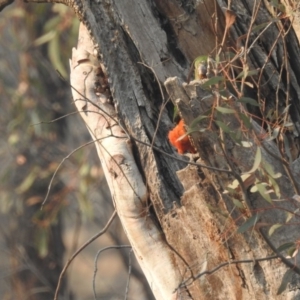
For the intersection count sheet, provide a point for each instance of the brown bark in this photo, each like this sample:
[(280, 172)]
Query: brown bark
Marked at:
[(142, 45), (200, 223)]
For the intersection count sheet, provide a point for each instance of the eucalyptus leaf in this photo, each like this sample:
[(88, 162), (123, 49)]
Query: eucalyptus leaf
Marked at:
[(41, 241), (223, 126), (212, 81), (286, 279), (248, 224), (225, 110), (264, 192), (238, 203), (285, 246), (246, 121), (273, 228), (246, 73), (257, 161), (269, 169), (248, 100), (197, 120)]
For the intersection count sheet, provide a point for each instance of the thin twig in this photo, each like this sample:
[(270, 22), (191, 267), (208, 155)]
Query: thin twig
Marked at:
[(95, 263), (147, 144), (129, 275), (209, 272), (58, 167), (79, 250)]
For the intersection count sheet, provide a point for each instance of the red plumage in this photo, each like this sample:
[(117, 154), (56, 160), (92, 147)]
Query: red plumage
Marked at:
[(181, 144)]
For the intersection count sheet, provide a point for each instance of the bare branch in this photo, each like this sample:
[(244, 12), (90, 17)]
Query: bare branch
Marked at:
[(80, 249), (209, 272), (96, 260)]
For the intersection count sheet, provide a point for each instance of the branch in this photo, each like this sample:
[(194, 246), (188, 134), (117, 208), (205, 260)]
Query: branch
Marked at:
[(124, 179), (96, 259), (209, 272), (79, 250)]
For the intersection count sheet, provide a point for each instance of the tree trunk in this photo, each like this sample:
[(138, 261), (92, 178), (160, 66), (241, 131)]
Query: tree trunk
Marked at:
[(183, 220)]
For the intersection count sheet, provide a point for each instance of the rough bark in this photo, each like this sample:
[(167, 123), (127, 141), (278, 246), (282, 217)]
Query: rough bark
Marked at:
[(128, 190), (167, 36), (144, 43)]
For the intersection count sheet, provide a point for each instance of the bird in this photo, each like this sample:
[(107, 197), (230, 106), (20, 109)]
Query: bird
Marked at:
[(180, 140), (200, 67)]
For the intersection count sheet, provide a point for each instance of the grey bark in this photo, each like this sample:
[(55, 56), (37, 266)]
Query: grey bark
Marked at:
[(191, 209), (167, 36)]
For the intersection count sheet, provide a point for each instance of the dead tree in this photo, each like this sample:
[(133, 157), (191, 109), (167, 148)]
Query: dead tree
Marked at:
[(223, 225)]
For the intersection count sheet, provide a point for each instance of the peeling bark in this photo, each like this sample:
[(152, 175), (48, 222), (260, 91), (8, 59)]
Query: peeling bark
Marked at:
[(128, 190), (199, 225), (142, 45)]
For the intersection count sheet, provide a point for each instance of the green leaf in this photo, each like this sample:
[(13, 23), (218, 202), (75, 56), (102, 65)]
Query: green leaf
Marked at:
[(285, 246), (175, 113), (292, 252), (248, 100), (225, 110), (200, 59), (246, 121), (197, 120), (52, 23), (246, 73), (273, 228), (194, 130), (41, 241), (274, 134), (54, 55), (223, 126), (229, 55), (236, 137), (225, 94), (261, 26), (237, 203), (269, 169), (28, 181), (257, 161), (286, 279), (47, 37), (290, 215), (261, 187), (248, 224), (287, 147), (212, 81), (275, 186)]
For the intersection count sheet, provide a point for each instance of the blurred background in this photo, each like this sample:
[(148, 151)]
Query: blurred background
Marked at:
[(39, 129)]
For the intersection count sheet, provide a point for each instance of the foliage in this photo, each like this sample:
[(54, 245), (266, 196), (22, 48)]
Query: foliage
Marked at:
[(230, 122)]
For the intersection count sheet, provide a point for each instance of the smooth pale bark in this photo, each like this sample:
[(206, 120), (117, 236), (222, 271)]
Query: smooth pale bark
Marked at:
[(128, 190)]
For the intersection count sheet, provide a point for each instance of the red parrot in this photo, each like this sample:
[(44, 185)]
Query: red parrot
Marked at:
[(182, 145)]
